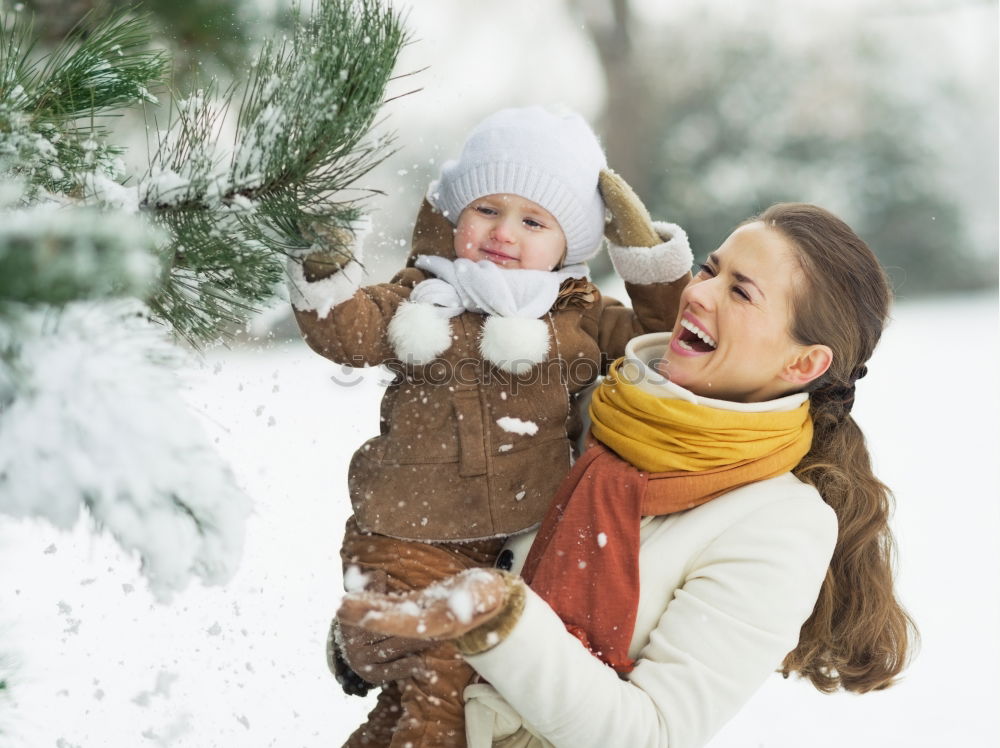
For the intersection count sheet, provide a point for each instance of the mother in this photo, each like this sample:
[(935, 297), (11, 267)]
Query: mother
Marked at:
[(750, 535)]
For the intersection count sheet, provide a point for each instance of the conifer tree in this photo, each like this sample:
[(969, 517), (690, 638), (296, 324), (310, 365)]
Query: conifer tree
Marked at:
[(109, 281)]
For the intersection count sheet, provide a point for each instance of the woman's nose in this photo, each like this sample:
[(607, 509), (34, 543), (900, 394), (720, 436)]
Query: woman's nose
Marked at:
[(702, 293)]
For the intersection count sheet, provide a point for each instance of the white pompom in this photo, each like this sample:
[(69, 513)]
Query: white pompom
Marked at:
[(419, 333), (513, 344)]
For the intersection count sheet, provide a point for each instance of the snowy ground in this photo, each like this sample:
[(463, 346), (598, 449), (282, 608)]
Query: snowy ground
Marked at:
[(101, 664)]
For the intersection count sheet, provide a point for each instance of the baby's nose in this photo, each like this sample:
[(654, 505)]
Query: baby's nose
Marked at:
[(504, 231)]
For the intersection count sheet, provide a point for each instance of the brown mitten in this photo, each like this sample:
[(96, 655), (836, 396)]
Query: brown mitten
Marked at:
[(630, 224), (359, 658), (334, 255), (444, 610), (351, 683), (319, 265)]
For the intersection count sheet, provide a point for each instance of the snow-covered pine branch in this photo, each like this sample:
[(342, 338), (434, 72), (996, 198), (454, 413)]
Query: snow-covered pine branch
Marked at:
[(98, 422), (90, 410), (90, 414), (50, 107), (96, 275), (52, 254), (301, 145)]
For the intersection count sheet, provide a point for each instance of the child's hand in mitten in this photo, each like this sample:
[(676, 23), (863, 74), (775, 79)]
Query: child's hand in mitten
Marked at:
[(330, 271), (445, 610), (332, 250), (319, 265), (630, 224), (359, 658), (348, 678), (645, 253)]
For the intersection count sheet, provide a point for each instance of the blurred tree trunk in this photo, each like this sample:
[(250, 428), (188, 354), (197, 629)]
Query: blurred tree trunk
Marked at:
[(625, 124), (55, 18)]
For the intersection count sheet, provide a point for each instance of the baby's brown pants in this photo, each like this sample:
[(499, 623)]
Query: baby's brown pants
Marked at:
[(425, 709)]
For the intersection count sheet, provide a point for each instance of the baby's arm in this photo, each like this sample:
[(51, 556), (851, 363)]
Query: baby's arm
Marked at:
[(349, 324), (343, 322), (653, 258)]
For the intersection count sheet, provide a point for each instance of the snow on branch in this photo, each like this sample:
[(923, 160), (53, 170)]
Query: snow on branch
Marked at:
[(302, 143), (51, 254), (98, 423), (43, 139), (96, 271)]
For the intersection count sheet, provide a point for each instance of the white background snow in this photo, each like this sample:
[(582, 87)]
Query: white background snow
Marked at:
[(102, 664)]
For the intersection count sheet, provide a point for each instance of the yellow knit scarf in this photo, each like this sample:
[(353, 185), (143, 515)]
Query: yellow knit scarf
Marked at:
[(660, 434), (657, 456)]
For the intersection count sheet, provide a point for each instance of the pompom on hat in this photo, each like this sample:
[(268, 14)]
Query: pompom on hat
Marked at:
[(551, 159)]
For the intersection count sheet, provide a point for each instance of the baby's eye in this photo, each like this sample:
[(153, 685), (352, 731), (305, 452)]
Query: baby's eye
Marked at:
[(533, 223), (485, 210)]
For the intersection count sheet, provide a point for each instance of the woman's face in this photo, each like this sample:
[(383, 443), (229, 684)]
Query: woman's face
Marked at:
[(732, 338)]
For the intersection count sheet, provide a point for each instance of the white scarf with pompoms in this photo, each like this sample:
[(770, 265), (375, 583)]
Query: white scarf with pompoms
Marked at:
[(514, 337)]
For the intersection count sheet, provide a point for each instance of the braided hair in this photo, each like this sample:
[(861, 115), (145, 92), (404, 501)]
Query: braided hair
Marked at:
[(858, 635)]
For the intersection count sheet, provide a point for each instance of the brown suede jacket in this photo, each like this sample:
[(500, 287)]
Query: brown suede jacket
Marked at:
[(444, 468)]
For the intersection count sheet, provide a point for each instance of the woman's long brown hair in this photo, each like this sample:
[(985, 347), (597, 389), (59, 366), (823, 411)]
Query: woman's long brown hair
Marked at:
[(858, 636)]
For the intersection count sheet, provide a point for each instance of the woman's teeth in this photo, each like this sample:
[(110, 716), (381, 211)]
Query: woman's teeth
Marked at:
[(694, 329)]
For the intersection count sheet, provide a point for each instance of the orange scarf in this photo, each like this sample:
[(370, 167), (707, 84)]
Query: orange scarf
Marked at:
[(585, 559)]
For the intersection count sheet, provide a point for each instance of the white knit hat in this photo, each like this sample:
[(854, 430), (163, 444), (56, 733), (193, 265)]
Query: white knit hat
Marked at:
[(551, 159)]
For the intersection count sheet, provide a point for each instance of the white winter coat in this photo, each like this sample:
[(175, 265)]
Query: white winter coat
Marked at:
[(724, 591)]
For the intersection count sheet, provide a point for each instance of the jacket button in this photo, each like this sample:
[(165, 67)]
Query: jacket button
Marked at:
[(505, 560)]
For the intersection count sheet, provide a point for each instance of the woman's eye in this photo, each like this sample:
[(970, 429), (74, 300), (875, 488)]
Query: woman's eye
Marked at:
[(741, 293), (704, 269)]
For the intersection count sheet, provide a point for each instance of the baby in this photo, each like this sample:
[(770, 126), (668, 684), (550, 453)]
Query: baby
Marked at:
[(492, 332)]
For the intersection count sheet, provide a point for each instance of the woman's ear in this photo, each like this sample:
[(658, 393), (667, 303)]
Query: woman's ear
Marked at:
[(810, 363)]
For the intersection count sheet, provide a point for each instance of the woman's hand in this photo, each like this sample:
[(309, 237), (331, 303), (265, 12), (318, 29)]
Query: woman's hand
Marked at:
[(445, 610), (630, 224)]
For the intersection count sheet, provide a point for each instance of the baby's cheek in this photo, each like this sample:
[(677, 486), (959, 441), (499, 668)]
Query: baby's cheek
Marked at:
[(463, 243)]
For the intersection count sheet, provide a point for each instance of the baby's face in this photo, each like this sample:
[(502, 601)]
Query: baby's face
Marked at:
[(511, 231)]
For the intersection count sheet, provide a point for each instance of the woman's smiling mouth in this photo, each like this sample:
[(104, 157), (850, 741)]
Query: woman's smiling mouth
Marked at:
[(691, 339)]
